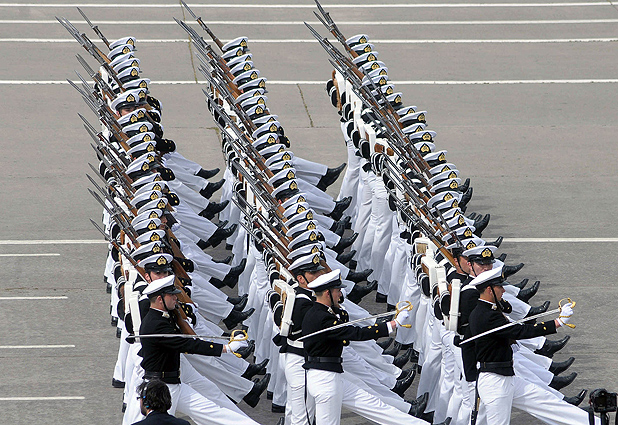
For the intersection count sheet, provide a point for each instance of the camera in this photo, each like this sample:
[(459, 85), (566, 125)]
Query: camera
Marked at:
[(602, 401)]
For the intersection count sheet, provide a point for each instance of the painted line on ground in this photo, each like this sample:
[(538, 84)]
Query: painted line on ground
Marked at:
[(51, 254), (305, 6), (513, 240), (363, 23), (52, 241), (561, 240), (32, 298), (376, 42), (40, 398), (308, 83), (19, 347)]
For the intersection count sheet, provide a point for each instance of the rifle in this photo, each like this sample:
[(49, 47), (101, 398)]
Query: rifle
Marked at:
[(203, 25), (326, 20), (90, 47), (181, 318), (95, 28), (388, 118), (207, 51)]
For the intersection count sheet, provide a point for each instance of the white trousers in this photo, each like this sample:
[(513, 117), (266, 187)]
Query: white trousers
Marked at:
[(299, 406), (202, 410), (332, 390), (500, 393)]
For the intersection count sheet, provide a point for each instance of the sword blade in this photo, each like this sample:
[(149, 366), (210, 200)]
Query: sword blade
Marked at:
[(342, 325), (508, 325), (179, 336)]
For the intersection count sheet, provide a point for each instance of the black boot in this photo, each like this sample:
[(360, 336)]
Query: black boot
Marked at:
[(234, 318), (344, 243), (338, 227), (526, 294), (213, 208), (253, 397), (418, 406), (255, 369), (277, 408), (577, 399), (331, 176), (117, 384), (231, 278), (552, 347), (406, 372), (241, 305), (357, 277), (237, 300), (511, 270), (207, 174), (386, 343), (211, 188), (559, 382), (480, 225), (381, 298), (464, 187), (502, 257), (394, 350), (465, 198), (497, 242), (221, 234), (402, 385), (358, 292), (522, 284), (346, 257), (538, 309), (401, 361), (340, 207), (558, 367)]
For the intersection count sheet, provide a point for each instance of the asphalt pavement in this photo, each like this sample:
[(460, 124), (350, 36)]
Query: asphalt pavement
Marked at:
[(521, 95)]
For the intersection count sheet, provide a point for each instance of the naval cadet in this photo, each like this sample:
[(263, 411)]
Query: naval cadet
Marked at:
[(325, 378), (498, 386)]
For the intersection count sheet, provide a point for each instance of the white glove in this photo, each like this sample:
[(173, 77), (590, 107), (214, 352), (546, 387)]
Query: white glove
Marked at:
[(403, 318), (236, 344), (566, 311)]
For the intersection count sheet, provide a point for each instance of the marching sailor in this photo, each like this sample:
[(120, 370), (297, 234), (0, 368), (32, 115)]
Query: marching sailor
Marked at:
[(325, 378), (498, 386)]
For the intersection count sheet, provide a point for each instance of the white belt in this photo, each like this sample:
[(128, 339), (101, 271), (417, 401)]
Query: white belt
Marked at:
[(295, 344)]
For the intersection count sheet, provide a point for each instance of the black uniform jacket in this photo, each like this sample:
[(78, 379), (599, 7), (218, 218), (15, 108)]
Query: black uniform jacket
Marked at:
[(163, 354), (158, 418), (493, 351), (330, 344), (302, 303)]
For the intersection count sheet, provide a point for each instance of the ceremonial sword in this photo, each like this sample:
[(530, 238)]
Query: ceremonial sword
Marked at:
[(401, 306), (520, 321)]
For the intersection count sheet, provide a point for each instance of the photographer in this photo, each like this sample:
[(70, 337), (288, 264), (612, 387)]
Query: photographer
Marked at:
[(155, 400)]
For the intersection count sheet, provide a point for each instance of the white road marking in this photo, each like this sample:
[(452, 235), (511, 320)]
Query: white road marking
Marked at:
[(19, 347), (306, 6), (376, 41), (561, 240), (363, 23), (32, 298), (293, 83), (512, 240), (52, 241), (50, 254), (40, 398)]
